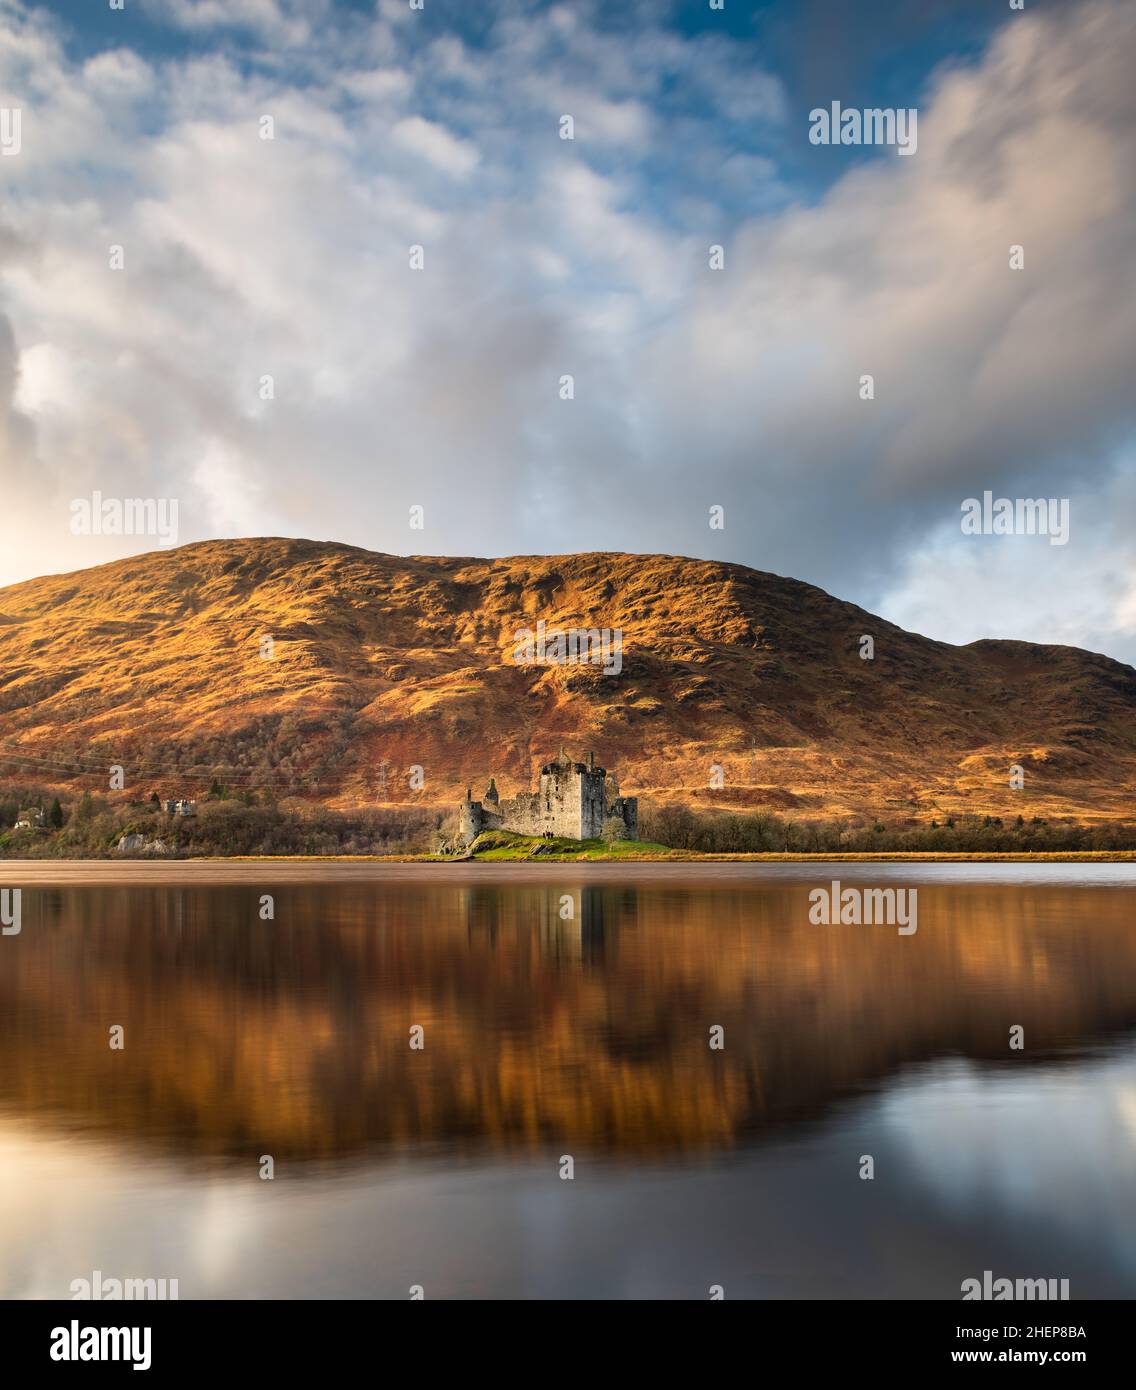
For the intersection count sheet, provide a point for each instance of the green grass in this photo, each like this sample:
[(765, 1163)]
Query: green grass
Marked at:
[(504, 845)]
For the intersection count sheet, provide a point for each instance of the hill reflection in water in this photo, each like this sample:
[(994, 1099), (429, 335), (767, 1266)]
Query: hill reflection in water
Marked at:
[(590, 1035)]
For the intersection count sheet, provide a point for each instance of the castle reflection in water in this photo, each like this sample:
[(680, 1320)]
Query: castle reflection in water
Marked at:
[(569, 923), (556, 1012)]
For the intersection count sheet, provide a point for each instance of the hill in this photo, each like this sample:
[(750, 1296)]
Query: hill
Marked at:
[(381, 664)]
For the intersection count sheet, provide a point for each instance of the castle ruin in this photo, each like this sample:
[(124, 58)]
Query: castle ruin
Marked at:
[(574, 800)]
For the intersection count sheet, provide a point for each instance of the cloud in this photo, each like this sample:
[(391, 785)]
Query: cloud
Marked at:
[(278, 21), (589, 257), (435, 144), (17, 440), (963, 589), (985, 377)]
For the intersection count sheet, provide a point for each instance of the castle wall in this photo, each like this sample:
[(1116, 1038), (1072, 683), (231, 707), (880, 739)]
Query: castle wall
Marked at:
[(593, 804), (473, 818), (627, 809), (561, 799), (553, 810), (570, 802), (524, 814)]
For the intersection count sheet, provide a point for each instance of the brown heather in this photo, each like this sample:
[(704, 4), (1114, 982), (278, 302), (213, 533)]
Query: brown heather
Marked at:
[(153, 662)]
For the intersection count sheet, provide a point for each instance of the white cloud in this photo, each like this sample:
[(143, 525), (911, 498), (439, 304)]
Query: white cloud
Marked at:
[(276, 22), (589, 257), (435, 144)]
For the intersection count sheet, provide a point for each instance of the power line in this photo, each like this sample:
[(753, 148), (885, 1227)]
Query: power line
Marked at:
[(42, 764)]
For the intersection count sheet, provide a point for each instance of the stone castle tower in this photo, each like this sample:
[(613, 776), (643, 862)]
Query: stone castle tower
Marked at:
[(573, 800)]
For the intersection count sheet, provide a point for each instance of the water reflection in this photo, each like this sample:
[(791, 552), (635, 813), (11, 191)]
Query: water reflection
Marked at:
[(564, 1013), (563, 1016)]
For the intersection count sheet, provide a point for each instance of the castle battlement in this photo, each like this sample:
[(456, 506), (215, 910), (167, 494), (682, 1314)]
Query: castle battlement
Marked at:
[(573, 800)]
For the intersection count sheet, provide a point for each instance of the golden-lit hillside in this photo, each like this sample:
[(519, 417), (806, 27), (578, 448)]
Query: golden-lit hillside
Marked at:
[(379, 664)]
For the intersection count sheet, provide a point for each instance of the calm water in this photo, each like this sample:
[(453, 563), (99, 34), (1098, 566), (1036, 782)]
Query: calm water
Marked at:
[(585, 1037)]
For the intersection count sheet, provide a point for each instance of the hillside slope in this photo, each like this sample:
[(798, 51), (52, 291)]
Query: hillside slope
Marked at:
[(155, 663)]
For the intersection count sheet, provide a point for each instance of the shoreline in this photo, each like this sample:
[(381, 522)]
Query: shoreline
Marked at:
[(680, 856), (1114, 868)]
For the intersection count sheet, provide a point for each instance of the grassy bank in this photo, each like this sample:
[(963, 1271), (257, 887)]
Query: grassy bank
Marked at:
[(230, 826), (498, 846), (501, 846)]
